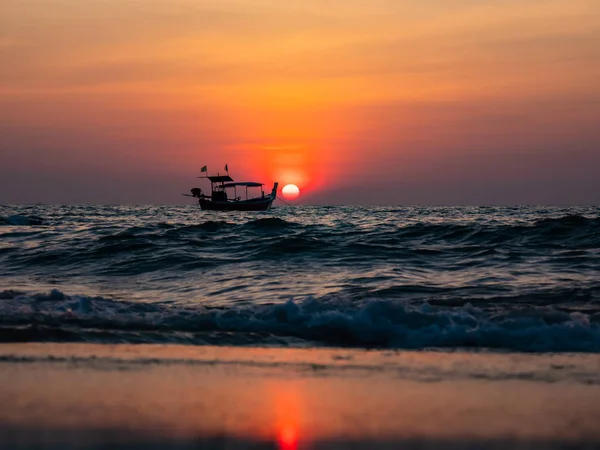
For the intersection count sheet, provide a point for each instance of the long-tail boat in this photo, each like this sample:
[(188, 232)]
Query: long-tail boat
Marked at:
[(224, 194)]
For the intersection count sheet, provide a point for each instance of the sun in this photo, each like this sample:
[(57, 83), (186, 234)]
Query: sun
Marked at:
[(290, 191)]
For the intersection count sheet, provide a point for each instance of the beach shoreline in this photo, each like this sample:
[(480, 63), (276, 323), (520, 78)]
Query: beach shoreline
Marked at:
[(170, 396)]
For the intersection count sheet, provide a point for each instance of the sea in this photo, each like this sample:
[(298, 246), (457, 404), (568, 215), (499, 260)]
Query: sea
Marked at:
[(500, 279)]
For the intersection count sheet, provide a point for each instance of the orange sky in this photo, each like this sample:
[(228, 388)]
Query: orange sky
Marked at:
[(439, 99)]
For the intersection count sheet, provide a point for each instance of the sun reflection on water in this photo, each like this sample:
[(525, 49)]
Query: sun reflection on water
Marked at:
[(288, 415), (287, 437)]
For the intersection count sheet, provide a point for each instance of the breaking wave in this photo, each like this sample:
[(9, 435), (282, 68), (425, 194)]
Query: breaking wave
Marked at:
[(327, 321)]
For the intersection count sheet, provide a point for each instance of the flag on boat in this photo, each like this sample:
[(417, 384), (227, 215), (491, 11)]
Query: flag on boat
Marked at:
[(203, 169), (226, 169)]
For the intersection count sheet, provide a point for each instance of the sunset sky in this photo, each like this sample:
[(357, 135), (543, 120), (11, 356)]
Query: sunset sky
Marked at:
[(355, 101)]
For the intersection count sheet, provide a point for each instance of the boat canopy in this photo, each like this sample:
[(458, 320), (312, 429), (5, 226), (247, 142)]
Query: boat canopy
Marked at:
[(219, 178), (244, 183)]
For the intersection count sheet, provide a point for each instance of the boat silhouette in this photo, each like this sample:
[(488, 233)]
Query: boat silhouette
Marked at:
[(221, 186)]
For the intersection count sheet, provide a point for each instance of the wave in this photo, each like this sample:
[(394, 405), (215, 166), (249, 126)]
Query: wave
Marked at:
[(20, 220), (570, 220), (328, 321), (208, 226), (271, 223), (133, 250)]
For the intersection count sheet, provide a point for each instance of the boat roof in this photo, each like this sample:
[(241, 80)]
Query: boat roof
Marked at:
[(219, 178), (244, 183)]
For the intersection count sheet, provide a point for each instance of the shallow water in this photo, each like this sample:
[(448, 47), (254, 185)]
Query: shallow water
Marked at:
[(520, 279), (87, 396)]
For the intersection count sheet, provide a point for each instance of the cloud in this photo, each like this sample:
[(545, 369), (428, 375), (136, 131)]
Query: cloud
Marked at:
[(474, 46)]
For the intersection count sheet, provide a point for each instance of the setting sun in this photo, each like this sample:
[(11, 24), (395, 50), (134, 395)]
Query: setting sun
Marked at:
[(290, 191)]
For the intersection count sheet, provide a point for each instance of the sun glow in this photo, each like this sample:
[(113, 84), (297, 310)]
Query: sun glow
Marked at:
[(287, 437), (290, 191)]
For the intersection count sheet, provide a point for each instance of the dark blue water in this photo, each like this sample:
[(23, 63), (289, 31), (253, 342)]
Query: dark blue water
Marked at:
[(520, 279)]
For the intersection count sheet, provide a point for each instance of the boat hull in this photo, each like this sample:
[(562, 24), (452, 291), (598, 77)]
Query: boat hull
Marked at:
[(244, 205)]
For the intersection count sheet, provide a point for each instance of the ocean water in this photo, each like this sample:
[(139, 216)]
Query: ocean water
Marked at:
[(523, 279)]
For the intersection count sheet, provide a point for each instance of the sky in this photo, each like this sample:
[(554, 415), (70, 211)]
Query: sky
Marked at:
[(434, 102)]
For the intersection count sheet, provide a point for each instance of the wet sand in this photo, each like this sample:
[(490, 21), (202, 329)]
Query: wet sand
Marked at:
[(182, 397)]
